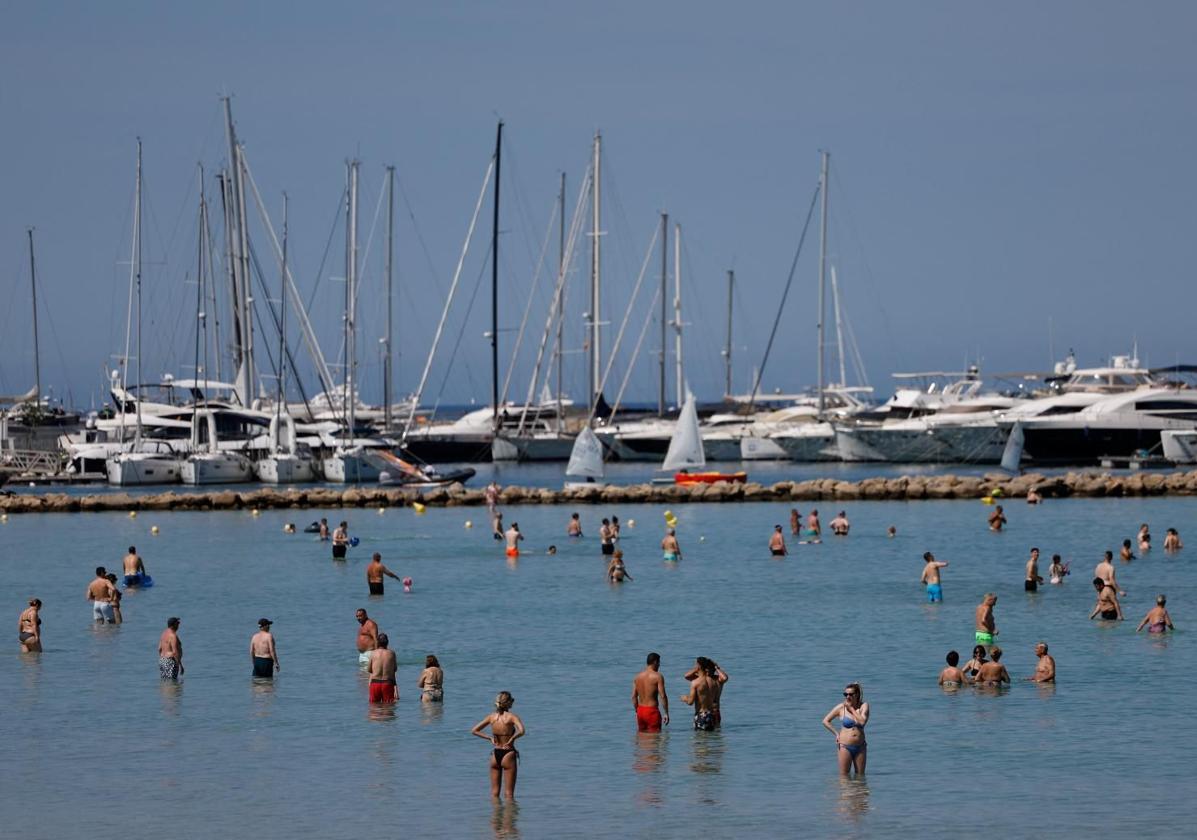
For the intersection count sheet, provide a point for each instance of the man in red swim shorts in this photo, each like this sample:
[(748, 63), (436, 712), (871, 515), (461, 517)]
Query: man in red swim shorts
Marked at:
[(382, 672), (648, 688)]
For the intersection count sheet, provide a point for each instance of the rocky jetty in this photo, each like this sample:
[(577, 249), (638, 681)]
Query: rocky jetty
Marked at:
[(905, 488)]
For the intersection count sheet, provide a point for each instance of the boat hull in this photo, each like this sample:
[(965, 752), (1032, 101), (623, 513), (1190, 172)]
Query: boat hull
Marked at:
[(141, 472), (285, 469), (710, 478), (219, 469), (1085, 446), (349, 468), (504, 448)]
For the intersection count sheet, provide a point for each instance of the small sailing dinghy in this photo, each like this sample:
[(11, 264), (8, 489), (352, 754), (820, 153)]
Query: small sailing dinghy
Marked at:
[(586, 461), (685, 452)]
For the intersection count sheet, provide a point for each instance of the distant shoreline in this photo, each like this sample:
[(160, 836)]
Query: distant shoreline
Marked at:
[(997, 487)]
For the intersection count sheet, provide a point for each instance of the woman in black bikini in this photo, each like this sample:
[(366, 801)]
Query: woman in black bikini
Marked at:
[(973, 666), (29, 628), (505, 727)]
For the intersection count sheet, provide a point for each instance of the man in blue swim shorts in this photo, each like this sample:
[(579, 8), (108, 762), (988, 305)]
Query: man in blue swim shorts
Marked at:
[(930, 577)]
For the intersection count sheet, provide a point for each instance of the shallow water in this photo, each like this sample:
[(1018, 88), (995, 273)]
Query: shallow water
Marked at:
[(89, 730)]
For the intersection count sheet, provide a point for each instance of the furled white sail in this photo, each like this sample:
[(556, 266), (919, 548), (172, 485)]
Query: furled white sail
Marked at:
[(685, 447), (1012, 455), (586, 460)]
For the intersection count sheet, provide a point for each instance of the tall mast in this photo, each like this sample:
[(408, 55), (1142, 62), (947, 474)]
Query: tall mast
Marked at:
[(137, 282), (664, 305), (839, 326), (351, 301), (388, 359), (494, 286), (560, 301), (234, 230), (37, 360), (727, 351), (596, 272), (201, 359), (680, 384), (246, 302), (822, 268), (282, 327)]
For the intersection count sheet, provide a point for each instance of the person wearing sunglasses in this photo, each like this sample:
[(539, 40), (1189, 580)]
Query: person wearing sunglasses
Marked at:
[(851, 748)]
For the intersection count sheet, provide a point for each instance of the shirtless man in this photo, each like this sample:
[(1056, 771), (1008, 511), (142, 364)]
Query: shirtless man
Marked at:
[(1033, 497), (574, 529), (340, 541), (375, 572), (1157, 619), (615, 528), (952, 675), (1172, 540), (606, 538), (382, 673), (324, 530), (367, 637), (997, 519), (134, 568), (1105, 571), (670, 550), (513, 537), (1107, 601), (986, 628), (648, 689), (170, 651), (795, 522), (814, 531), (930, 577), (101, 593), (1045, 670), (262, 652), (993, 672), (1031, 584), (706, 687), (840, 525), (777, 543)]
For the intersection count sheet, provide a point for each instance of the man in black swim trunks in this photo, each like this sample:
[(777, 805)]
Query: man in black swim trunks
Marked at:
[(375, 571), (606, 538), (340, 541), (262, 652)]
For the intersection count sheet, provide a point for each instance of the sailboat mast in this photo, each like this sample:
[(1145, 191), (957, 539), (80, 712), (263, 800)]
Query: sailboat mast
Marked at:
[(200, 330), (137, 282), (351, 302), (822, 268), (727, 351), (37, 359), (664, 310), (560, 303), (388, 359), (679, 374), (596, 272), (234, 223), (494, 286), (282, 327), (839, 327)]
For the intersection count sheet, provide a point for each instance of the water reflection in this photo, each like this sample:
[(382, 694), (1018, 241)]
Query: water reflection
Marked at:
[(171, 694), (648, 761), (504, 819), (431, 713), (853, 802), (262, 693), (380, 712), (709, 748)]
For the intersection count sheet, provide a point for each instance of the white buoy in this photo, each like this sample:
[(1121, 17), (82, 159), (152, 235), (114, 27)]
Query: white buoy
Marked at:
[(468, 523), (132, 514), (154, 530), (381, 511), (702, 539), (631, 523), (255, 512)]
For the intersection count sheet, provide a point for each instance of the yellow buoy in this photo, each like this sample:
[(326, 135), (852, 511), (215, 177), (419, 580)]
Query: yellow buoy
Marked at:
[(996, 491), (154, 530), (417, 507), (469, 524), (987, 500)]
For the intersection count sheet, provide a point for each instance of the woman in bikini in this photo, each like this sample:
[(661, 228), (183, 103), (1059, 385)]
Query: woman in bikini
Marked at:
[(505, 727), (850, 746), (29, 628), (973, 666), (432, 681)]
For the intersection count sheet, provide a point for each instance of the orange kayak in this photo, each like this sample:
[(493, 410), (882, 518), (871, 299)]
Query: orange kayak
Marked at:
[(709, 477)]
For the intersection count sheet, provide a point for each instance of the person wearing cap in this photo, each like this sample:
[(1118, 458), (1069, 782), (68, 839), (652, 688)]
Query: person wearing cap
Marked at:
[(262, 650)]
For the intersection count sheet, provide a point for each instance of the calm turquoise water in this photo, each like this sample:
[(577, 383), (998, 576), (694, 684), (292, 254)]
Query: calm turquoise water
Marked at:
[(88, 729)]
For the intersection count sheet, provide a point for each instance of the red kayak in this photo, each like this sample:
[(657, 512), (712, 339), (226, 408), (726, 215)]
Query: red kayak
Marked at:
[(709, 477)]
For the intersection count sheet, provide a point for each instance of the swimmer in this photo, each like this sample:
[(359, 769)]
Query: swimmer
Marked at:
[(616, 572), (1032, 581), (1107, 602), (1057, 570), (367, 637), (891, 532), (1045, 669), (29, 627), (986, 628), (814, 531), (1126, 554), (850, 746), (289, 528), (262, 653), (574, 529), (383, 669), (615, 528), (101, 593), (505, 728), (551, 550), (117, 616), (375, 571), (1157, 619), (671, 551), (340, 541), (170, 651), (135, 573), (706, 688), (606, 538), (1105, 571), (432, 681), (324, 530), (648, 690), (930, 577), (1144, 539), (840, 525), (993, 672), (795, 522), (997, 519), (952, 675), (973, 666), (777, 543), (513, 537), (1033, 497), (1172, 540)]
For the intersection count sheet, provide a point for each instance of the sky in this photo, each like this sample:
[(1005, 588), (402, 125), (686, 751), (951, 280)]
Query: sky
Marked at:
[(1008, 181)]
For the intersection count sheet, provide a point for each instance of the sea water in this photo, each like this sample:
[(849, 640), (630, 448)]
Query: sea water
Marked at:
[(95, 745)]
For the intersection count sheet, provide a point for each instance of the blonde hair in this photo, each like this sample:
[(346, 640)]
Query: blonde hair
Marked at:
[(504, 701)]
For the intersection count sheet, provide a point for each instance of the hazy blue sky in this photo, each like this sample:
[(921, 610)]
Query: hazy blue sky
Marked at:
[(996, 168)]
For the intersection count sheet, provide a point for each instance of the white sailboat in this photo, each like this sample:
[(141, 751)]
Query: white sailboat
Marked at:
[(208, 463), (686, 451), (585, 461), (286, 463)]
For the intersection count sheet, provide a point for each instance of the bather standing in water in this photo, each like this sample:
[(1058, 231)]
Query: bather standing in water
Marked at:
[(574, 529), (1157, 619), (29, 627), (930, 577), (616, 571), (973, 666), (1045, 668), (1172, 540), (1107, 601), (135, 573), (993, 673), (985, 626), (840, 525), (777, 542), (1105, 571), (432, 681), (1031, 584), (997, 519), (262, 654), (952, 675), (505, 728), (795, 522), (852, 751), (706, 688), (670, 549)]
